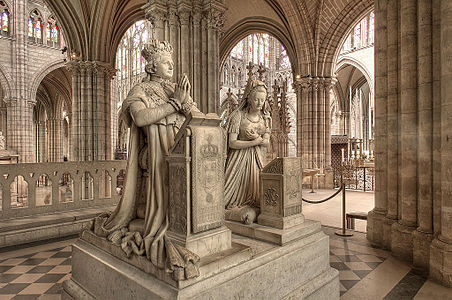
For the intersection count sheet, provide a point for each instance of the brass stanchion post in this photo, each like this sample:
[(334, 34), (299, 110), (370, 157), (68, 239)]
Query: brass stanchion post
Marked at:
[(343, 231)]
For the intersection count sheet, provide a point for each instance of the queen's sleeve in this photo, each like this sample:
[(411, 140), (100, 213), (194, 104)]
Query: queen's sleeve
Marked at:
[(234, 122)]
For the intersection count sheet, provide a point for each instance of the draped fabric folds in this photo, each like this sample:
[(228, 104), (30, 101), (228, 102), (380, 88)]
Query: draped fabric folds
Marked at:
[(146, 186)]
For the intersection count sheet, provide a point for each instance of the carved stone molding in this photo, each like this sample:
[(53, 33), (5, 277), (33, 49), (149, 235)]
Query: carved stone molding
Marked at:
[(91, 67)]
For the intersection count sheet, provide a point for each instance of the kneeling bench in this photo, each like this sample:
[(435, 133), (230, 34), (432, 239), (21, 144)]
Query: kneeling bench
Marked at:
[(351, 216)]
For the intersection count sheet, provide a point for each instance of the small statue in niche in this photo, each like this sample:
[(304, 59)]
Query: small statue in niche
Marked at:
[(154, 110), (248, 131)]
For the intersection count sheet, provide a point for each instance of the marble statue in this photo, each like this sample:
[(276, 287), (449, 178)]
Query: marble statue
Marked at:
[(248, 132), (154, 110)]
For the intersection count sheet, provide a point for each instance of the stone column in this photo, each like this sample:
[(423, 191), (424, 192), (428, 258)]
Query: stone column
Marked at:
[(193, 30), (329, 84), (314, 124), (376, 216), (436, 56), (392, 121), (19, 135), (55, 139), (423, 236), (402, 241), (441, 249), (321, 150), (303, 87), (91, 122)]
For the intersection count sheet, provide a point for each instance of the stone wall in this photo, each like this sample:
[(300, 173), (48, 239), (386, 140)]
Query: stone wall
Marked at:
[(23, 64)]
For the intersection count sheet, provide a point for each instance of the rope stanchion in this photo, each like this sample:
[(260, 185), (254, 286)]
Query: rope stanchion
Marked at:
[(345, 176), (323, 200)]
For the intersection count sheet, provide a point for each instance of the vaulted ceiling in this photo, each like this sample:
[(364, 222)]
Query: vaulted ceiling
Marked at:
[(311, 30)]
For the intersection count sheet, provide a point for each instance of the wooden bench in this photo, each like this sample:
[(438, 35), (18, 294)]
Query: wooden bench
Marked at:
[(351, 216)]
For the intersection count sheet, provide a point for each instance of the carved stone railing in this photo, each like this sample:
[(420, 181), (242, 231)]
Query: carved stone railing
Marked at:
[(38, 188)]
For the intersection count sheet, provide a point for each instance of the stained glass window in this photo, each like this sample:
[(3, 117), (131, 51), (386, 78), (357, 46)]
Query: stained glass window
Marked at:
[(266, 45), (371, 27), (35, 27), (362, 35), (4, 19), (129, 61), (357, 36), (237, 51), (364, 31), (255, 49), (53, 38), (30, 28), (285, 62)]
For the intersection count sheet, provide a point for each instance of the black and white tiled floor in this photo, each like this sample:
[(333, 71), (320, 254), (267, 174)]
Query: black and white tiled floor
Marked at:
[(36, 275), (37, 272)]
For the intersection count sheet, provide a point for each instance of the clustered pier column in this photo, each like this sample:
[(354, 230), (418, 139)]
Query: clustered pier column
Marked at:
[(313, 125), (441, 249), (193, 29), (91, 110), (413, 145)]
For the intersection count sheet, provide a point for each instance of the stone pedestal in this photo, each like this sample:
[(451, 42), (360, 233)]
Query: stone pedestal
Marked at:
[(298, 270), (280, 192), (196, 187)]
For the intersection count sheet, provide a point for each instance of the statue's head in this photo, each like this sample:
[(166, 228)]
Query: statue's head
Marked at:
[(255, 94), (159, 58)]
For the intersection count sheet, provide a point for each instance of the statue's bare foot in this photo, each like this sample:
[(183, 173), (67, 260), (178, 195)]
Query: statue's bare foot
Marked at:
[(245, 214)]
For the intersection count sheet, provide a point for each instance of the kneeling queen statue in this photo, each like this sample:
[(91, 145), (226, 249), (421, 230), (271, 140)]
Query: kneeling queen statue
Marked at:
[(154, 110)]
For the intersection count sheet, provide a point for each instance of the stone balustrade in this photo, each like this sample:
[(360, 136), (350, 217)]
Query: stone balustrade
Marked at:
[(30, 189)]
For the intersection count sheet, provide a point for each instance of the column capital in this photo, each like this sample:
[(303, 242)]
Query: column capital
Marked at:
[(95, 67), (213, 13), (303, 83)]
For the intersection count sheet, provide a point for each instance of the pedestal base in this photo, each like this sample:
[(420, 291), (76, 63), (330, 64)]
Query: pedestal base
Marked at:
[(280, 222), (421, 249), (387, 231), (298, 270), (204, 243), (402, 241), (274, 235), (441, 262), (375, 220)]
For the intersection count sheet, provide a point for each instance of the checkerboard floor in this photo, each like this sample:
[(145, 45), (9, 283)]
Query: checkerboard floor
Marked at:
[(40, 275), (38, 272), (35, 276), (353, 266)]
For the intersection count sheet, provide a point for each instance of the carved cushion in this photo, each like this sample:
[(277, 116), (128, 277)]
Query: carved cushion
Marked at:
[(137, 225)]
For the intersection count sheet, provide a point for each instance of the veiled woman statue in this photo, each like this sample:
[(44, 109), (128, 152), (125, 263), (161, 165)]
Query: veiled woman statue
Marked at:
[(154, 110), (248, 132)]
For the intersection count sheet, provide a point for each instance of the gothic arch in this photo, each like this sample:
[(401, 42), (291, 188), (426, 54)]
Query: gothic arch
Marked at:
[(247, 26), (300, 15), (361, 67), (336, 35), (43, 72), (6, 82)]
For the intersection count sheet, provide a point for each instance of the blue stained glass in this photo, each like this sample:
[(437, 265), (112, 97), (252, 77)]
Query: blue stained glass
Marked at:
[(5, 20), (38, 29), (30, 27)]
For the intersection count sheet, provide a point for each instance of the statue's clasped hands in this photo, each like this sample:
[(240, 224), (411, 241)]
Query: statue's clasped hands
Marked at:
[(182, 91), (254, 137)]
